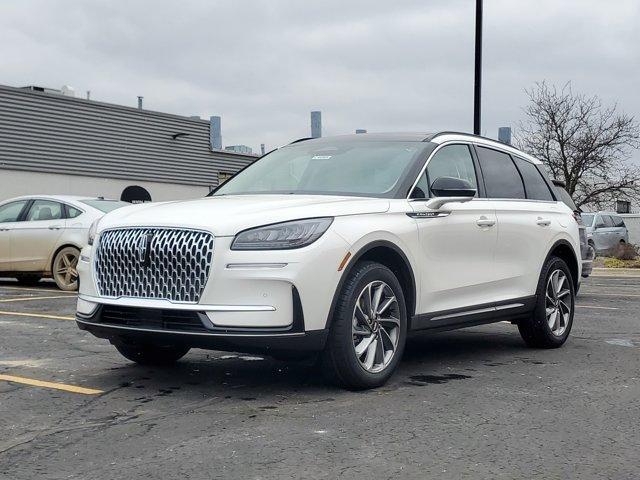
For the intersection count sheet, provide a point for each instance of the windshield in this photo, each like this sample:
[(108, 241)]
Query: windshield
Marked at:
[(105, 206), (360, 168), (587, 219)]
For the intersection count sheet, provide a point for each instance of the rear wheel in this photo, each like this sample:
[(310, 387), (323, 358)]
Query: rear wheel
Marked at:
[(152, 354), (64, 268), (369, 329), (551, 321)]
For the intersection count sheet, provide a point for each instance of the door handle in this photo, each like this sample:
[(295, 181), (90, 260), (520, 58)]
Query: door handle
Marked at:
[(543, 222), (55, 227), (485, 222)]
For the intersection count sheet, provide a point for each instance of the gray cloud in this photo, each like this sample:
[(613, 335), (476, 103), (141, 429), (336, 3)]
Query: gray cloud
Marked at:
[(380, 65)]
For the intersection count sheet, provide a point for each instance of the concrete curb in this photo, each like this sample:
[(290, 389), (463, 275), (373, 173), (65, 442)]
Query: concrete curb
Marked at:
[(615, 272)]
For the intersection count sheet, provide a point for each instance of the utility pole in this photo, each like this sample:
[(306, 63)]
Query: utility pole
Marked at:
[(477, 90)]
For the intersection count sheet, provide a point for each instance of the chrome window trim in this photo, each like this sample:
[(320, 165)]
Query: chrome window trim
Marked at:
[(426, 164)]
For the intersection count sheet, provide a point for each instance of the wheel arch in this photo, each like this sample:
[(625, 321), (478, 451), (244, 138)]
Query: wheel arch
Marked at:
[(393, 257), (563, 249), (57, 250)]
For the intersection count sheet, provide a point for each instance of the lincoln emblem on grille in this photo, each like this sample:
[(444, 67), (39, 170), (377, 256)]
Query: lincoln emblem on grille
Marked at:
[(144, 249)]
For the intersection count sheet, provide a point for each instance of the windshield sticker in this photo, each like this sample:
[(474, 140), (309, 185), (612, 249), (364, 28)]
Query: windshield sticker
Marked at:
[(321, 157)]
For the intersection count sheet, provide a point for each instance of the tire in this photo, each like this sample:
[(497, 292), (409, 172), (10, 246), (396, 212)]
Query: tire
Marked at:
[(351, 329), (152, 354), (64, 269), (539, 330), (28, 279)]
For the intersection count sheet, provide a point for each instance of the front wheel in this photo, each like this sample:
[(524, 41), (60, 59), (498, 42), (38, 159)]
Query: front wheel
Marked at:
[(369, 328), (64, 269), (551, 321), (152, 354)]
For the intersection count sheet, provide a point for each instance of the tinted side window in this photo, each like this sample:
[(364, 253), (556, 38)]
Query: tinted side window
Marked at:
[(453, 161), (534, 185), (11, 211), (617, 221), (608, 221), (44, 210), (501, 178)]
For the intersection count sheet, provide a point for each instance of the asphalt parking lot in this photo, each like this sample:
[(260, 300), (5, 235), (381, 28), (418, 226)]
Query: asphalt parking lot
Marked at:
[(468, 404)]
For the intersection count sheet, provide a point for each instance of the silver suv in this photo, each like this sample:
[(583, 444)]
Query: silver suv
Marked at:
[(605, 230)]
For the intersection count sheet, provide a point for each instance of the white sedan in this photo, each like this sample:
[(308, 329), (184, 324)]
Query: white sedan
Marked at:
[(41, 236)]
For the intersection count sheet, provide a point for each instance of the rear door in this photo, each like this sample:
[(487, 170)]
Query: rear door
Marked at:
[(34, 239), (528, 216), (10, 214)]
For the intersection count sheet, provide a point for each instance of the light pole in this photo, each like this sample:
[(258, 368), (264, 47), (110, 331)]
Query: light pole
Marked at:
[(477, 90)]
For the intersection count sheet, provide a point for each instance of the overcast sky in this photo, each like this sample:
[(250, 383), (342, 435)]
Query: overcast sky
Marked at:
[(401, 65)]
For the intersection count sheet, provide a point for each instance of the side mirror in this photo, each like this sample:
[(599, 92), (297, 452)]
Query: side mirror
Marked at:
[(448, 190)]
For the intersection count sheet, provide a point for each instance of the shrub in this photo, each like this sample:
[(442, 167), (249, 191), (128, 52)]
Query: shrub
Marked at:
[(626, 251)]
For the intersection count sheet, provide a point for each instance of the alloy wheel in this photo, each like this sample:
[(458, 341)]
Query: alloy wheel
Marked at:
[(65, 269), (558, 302), (376, 326)]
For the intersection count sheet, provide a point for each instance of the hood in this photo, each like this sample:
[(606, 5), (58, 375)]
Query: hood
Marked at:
[(228, 215)]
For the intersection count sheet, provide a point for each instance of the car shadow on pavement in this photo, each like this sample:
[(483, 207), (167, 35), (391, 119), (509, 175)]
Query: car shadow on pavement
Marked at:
[(235, 374)]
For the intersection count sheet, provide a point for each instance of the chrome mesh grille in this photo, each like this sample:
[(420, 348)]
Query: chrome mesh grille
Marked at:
[(156, 263)]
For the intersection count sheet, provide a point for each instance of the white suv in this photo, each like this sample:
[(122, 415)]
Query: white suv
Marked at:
[(339, 247)]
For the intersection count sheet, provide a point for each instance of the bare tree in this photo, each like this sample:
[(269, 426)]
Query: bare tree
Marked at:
[(583, 143)]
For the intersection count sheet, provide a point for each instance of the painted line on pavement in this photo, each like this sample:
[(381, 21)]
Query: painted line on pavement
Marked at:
[(36, 315), (597, 307), (56, 386), (27, 289), (621, 294), (24, 299)]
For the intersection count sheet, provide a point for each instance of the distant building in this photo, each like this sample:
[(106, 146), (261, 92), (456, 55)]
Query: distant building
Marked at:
[(54, 143), (239, 149)]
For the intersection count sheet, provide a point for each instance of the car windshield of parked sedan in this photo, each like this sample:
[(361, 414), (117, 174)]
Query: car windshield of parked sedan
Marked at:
[(359, 168), (105, 206), (587, 219)]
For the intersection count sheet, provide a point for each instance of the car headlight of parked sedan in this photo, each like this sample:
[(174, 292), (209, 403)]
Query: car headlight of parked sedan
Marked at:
[(91, 236)]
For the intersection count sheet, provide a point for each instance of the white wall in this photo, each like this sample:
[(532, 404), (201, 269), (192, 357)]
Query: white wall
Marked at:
[(14, 183), (632, 221)]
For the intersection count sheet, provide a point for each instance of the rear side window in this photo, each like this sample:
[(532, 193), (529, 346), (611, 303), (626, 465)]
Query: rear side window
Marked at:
[(501, 178), (11, 211), (73, 212), (617, 221), (534, 185), (44, 210)]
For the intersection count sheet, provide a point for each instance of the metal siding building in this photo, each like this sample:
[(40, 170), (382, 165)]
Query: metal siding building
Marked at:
[(60, 136)]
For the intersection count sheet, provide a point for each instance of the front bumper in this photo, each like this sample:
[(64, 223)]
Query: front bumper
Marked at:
[(194, 329)]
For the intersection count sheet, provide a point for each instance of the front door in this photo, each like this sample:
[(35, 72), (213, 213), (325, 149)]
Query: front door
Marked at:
[(34, 239), (458, 243)]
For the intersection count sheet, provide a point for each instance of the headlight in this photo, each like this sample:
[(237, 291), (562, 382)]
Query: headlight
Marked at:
[(282, 236), (92, 232)]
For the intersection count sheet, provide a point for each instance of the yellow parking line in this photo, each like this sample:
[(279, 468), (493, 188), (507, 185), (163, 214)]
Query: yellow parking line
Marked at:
[(36, 315), (24, 299), (54, 385), (36, 289)]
